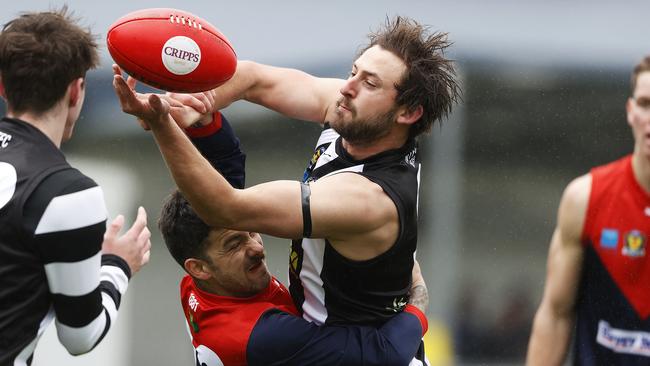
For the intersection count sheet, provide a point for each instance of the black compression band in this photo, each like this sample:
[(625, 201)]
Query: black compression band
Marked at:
[(305, 192)]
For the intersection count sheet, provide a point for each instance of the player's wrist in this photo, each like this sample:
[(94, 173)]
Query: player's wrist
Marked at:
[(412, 309), (206, 126)]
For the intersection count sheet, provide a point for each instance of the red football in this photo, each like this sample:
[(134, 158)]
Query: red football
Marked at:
[(171, 50)]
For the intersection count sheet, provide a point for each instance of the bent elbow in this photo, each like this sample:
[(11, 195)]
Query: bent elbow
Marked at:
[(78, 341)]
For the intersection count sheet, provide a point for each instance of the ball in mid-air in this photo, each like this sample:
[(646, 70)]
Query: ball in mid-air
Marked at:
[(172, 50)]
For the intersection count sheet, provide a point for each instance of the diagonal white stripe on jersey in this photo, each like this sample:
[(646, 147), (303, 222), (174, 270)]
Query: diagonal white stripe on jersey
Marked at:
[(116, 276), (23, 356), (314, 306), (80, 340), (328, 155), (73, 211), (326, 136), (110, 307), (76, 278)]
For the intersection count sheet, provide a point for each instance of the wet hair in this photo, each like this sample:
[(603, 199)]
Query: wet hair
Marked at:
[(40, 55), (430, 78), (643, 66), (184, 233)]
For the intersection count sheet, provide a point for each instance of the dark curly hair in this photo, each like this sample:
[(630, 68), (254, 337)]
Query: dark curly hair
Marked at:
[(430, 78)]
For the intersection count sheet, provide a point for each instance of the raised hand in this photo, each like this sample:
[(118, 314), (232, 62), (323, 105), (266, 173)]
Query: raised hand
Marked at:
[(148, 108), (134, 246)]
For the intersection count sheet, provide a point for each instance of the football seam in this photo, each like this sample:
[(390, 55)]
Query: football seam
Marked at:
[(167, 19)]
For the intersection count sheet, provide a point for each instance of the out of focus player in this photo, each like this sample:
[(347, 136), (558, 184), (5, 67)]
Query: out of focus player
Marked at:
[(57, 260), (598, 265)]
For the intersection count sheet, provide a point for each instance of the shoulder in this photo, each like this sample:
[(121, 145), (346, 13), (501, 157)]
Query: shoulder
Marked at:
[(576, 194), (573, 206)]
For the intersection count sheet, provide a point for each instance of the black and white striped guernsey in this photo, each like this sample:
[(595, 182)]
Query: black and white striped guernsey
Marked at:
[(329, 288), (52, 222)]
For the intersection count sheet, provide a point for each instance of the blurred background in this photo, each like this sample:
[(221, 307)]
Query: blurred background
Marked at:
[(544, 85)]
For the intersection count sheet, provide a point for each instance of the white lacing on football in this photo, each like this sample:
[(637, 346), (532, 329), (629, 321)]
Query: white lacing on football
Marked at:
[(181, 19)]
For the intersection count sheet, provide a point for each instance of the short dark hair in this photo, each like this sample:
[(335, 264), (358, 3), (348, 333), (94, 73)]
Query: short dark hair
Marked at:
[(430, 78), (643, 66), (40, 54), (184, 233)]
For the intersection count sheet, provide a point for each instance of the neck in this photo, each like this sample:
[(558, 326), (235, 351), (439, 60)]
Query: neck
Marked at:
[(51, 122), (641, 169), (209, 288), (360, 151)]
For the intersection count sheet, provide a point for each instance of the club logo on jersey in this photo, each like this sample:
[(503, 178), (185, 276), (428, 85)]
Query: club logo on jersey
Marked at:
[(4, 139), (634, 244), (306, 177), (192, 302), (399, 303), (181, 55), (410, 157), (609, 238), (293, 260)]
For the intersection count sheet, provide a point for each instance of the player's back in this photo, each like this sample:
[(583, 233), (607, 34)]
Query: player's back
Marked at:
[(27, 157)]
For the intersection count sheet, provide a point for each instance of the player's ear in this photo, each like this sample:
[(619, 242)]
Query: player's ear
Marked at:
[(409, 116), (197, 268), (75, 90)]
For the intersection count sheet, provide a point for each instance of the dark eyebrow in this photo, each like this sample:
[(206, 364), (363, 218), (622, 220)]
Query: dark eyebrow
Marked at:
[(366, 73)]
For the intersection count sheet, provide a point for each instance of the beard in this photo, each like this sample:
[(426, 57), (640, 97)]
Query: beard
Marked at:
[(364, 131)]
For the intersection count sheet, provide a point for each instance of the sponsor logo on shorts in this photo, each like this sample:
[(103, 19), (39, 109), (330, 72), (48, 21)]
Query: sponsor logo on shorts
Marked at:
[(634, 244), (181, 55), (623, 340), (609, 238)]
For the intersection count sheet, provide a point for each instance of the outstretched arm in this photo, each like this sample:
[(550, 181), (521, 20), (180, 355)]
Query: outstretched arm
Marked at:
[(291, 92), (554, 320), (273, 208)]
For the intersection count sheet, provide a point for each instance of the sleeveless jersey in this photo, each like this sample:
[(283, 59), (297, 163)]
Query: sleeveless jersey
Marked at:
[(331, 289), (52, 222), (614, 296)]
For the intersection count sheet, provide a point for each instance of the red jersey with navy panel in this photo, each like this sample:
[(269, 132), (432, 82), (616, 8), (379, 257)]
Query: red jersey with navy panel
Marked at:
[(614, 297), (264, 330)]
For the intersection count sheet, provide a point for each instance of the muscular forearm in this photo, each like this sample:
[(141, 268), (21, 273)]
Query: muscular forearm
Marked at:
[(241, 84), (193, 174), (550, 339)]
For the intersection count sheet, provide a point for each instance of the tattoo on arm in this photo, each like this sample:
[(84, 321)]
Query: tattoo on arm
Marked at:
[(419, 297)]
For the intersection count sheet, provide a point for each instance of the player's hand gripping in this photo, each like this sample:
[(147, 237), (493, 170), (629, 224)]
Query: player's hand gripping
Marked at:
[(134, 246), (185, 109)]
